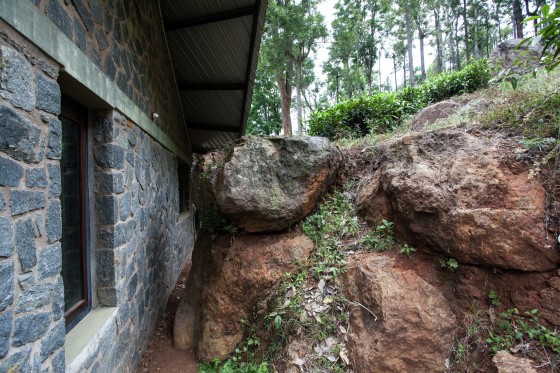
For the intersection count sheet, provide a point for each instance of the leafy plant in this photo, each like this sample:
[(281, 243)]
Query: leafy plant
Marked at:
[(380, 238), (548, 25), (214, 223), (407, 250), (494, 299), (449, 263)]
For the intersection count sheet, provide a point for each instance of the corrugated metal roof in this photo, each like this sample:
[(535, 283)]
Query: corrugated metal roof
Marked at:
[(214, 47)]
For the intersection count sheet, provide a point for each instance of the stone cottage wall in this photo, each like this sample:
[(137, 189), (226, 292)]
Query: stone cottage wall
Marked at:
[(32, 328), (125, 39), (142, 240), (139, 240)]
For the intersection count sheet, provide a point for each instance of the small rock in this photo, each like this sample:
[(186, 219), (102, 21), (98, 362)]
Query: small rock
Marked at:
[(507, 363)]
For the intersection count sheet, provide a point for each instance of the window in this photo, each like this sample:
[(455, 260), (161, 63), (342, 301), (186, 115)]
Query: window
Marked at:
[(73, 198), (184, 172)]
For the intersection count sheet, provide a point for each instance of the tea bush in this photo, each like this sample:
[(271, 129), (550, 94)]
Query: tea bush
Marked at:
[(384, 111)]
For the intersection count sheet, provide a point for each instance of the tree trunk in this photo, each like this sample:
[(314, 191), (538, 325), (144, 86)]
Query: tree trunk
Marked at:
[(404, 70), (298, 96), (348, 81), (409, 43), (466, 28), (476, 50), (421, 36), (517, 19), (285, 99), (439, 56), (395, 71)]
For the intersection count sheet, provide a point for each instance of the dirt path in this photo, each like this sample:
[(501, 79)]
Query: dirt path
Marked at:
[(161, 357)]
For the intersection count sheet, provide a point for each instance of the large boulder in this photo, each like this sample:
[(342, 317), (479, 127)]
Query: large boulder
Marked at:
[(520, 59), (460, 195), (402, 323), (229, 282), (435, 112), (268, 184)]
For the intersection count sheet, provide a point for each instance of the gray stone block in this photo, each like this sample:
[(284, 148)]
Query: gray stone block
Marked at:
[(25, 243), (36, 178), (26, 280), (109, 183), (125, 205), (85, 15), (105, 263), (18, 136), (107, 209), (109, 156), (53, 224), (47, 93), (58, 364), (19, 362), (2, 202), (58, 14), (40, 224), (34, 298), (58, 299), (50, 261), (105, 130), (132, 285), (80, 39), (53, 340), (54, 150), (107, 296), (16, 79), (6, 237), (6, 283), (29, 328), (10, 172), (5, 332), (54, 179), (22, 201)]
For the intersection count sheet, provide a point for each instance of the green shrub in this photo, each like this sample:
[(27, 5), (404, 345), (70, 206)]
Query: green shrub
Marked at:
[(384, 111)]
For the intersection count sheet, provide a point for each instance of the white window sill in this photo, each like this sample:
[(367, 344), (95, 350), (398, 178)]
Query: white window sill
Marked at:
[(83, 339)]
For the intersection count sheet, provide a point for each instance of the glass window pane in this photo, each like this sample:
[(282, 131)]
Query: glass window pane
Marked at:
[(71, 200)]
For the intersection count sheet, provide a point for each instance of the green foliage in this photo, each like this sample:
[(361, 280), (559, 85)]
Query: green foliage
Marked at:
[(383, 112), (494, 299), (214, 223), (335, 220), (379, 239), (243, 361), (514, 328), (548, 25), (449, 263), (407, 250)]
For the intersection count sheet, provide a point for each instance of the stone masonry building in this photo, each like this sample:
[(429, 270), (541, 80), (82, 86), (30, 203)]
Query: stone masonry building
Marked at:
[(102, 103)]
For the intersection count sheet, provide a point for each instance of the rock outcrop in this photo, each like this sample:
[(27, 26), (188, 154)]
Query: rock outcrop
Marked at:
[(507, 52), (460, 195), (403, 324), (507, 363), (268, 184), (432, 113), (228, 280)]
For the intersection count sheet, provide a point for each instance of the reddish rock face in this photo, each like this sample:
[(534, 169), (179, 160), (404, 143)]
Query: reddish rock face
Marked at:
[(229, 278), (413, 326), (456, 194)]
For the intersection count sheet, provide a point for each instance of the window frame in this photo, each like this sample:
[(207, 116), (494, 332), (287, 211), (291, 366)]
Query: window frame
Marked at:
[(78, 113)]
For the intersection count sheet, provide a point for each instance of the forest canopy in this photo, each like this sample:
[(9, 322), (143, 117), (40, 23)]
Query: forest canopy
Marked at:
[(375, 46)]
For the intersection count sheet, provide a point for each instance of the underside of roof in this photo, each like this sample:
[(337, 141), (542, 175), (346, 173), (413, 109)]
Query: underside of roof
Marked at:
[(214, 47)]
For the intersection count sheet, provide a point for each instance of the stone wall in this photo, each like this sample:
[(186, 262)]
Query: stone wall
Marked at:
[(125, 40), (32, 330), (139, 240), (142, 240)]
